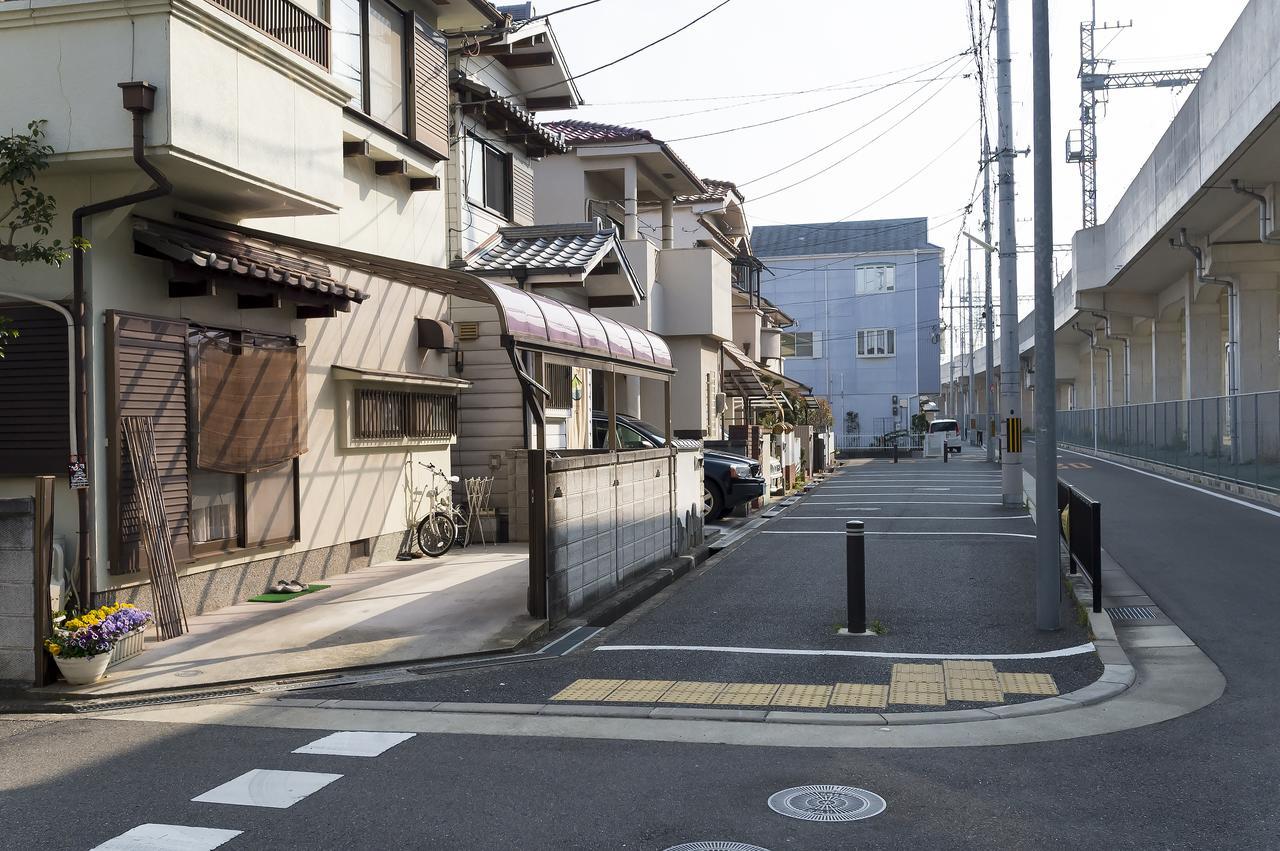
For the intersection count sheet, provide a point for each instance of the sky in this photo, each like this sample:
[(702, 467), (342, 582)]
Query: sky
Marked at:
[(891, 107)]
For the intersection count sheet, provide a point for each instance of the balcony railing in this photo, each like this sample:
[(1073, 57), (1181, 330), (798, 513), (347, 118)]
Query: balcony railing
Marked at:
[(292, 26)]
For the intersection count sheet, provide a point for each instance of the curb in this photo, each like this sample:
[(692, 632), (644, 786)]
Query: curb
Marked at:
[(1115, 680)]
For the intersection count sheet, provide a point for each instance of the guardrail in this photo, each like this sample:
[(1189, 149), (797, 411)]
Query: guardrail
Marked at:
[(1233, 438), (1081, 529), (867, 441), (292, 26)]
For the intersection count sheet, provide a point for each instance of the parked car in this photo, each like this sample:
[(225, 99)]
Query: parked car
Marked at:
[(728, 480), (950, 428)]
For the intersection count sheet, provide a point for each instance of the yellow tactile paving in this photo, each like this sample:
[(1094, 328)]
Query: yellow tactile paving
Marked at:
[(918, 673), (588, 690), (639, 691), (1028, 684), (973, 681), (917, 693), (746, 694), (692, 692), (806, 696), (859, 694)]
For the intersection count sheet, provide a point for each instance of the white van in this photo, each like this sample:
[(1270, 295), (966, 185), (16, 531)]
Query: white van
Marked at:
[(951, 428)]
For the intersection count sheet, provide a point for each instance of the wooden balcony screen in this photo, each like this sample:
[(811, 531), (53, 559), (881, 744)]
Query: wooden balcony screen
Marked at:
[(292, 26)]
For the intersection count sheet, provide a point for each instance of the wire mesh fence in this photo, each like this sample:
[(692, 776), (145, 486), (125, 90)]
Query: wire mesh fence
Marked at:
[(1234, 438)]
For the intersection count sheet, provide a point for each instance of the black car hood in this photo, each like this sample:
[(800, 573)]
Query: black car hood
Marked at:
[(728, 456)]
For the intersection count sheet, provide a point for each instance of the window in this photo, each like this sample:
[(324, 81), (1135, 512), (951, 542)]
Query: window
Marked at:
[(802, 344), (559, 380), (399, 414), (873, 279), (875, 342), (395, 67), (488, 176)]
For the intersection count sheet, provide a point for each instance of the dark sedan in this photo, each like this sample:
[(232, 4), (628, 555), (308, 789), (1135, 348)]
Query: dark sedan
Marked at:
[(728, 480)]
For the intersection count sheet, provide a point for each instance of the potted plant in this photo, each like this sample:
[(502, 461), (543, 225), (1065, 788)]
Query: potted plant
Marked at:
[(82, 645)]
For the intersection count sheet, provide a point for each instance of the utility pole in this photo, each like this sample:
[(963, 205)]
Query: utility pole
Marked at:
[(991, 436), (1010, 361), (968, 403), (1048, 584)]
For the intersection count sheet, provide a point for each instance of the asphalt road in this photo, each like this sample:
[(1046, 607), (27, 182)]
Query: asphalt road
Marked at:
[(1205, 780)]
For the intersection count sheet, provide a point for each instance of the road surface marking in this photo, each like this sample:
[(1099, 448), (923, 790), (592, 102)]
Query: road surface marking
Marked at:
[(794, 517), (939, 532), (1078, 650), (355, 744), (1187, 485), (263, 787), (168, 837)]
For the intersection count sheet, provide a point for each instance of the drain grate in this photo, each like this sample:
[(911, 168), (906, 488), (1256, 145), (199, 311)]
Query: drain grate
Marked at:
[(157, 700), (827, 803), (716, 846), (1131, 613)]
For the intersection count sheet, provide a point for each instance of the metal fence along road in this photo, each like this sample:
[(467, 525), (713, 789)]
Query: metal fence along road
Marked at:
[(1235, 438)]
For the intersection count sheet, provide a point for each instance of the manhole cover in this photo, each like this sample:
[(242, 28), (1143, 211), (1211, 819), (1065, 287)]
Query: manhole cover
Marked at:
[(827, 803), (716, 846)]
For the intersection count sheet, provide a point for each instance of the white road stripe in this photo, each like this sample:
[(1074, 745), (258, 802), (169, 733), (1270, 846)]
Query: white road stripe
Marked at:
[(1078, 650), (355, 743), (912, 517), (168, 837), (896, 502), (1187, 485), (947, 533), (263, 787)]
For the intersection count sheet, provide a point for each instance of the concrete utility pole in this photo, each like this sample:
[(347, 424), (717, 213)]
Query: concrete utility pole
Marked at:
[(968, 402), (1048, 584), (991, 436), (1010, 363)]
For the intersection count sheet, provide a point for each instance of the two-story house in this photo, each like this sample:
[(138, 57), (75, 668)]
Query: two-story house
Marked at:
[(864, 296)]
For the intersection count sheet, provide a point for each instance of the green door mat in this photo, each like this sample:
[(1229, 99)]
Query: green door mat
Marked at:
[(284, 598)]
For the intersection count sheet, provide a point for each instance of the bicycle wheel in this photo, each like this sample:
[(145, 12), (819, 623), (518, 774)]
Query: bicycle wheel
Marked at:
[(436, 534)]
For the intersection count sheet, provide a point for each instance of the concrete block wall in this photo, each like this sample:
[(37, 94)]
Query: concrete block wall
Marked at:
[(17, 599), (609, 519)]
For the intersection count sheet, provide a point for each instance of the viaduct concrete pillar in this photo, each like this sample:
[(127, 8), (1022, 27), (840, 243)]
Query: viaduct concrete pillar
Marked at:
[(1205, 357), (1166, 360), (1259, 330), (1140, 364)]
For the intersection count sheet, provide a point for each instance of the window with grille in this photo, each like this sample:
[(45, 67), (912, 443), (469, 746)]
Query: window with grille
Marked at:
[(399, 414), (559, 380), (877, 278), (875, 342)]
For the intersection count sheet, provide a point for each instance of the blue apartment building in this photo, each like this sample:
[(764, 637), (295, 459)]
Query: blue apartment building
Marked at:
[(865, 298)]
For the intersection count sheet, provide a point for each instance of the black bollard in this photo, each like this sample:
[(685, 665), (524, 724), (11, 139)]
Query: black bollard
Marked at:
[(855, 571)]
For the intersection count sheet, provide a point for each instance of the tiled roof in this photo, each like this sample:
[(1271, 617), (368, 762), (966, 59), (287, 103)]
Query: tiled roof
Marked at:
[(226, 251), (841, 237), (586, 132), (576, 247), (716, 189), (475, 94)]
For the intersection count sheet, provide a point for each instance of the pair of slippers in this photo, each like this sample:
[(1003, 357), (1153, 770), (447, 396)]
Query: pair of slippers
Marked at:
[(288, 586)]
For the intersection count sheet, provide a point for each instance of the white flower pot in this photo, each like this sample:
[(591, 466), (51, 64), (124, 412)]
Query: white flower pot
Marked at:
[(79, 671)]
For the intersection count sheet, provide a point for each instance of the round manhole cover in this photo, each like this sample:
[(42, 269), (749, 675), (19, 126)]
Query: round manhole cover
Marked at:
[(827, 803), (716, 846)]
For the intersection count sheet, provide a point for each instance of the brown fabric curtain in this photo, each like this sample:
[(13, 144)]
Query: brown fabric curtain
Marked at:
[(251, 406)]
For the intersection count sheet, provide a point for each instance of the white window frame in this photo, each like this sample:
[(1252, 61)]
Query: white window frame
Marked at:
[(815, 344), (876, 343), (866, 283)]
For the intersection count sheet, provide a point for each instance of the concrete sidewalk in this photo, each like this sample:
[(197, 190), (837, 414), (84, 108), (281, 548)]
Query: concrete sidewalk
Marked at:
[(469, 601)]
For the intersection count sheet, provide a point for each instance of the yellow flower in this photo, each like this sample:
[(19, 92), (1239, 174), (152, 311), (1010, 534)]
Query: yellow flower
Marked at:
[(53, 648), (76, 623)]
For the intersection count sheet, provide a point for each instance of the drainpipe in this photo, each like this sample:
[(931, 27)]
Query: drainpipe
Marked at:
[(1125, 339), (139, 99), (1093, 377), (1264, 219), (1233, 334)]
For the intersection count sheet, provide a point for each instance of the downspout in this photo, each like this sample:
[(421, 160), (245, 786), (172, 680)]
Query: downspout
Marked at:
[(1093, 377), (1233, 311), (1125, 339), (1264, 218), (139, 99)]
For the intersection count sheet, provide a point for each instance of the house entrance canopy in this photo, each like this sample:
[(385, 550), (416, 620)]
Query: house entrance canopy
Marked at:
[(528, 320)]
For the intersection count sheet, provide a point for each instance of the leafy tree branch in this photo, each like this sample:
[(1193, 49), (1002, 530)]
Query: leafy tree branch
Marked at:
[(26, 213)]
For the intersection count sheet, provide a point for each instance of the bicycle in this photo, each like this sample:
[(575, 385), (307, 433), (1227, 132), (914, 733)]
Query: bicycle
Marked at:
[(440, 528)]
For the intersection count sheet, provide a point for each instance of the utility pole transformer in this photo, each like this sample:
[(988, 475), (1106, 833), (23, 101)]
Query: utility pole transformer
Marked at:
[(1010, 360), (1048, 581)]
